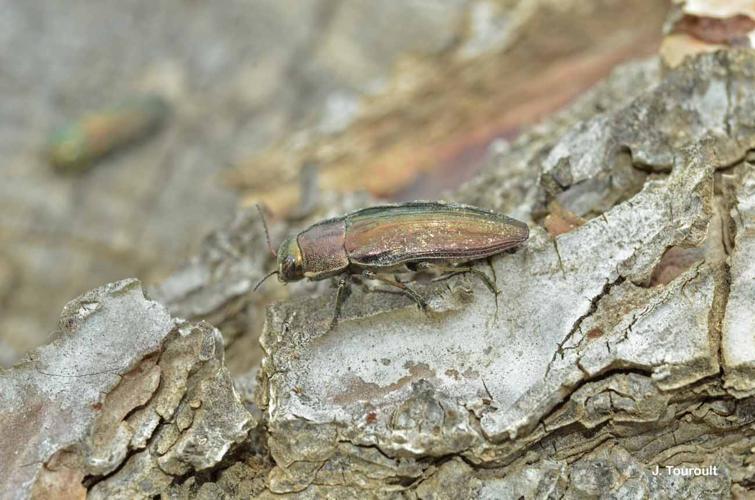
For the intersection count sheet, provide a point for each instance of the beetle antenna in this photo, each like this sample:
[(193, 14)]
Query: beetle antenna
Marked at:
[(263, 280), (267, 233)]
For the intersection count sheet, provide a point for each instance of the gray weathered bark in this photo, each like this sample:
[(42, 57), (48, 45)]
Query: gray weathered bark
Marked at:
[(124, 392), (614, 346), (622, 344)]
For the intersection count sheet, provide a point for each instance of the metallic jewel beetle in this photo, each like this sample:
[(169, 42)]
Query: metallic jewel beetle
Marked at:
[(75, 147), (383, 239)]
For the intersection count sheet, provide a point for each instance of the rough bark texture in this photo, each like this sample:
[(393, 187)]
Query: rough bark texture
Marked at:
[(392, 96), (122, 402), (621, 344), (615, 345)]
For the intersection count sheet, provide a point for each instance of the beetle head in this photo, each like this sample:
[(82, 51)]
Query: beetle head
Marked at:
[(290, 266)]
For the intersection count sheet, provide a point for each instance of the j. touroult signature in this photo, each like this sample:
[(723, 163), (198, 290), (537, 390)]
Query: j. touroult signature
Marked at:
[(678, 470)]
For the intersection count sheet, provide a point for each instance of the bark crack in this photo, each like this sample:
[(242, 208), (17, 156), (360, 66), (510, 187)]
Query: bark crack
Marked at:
[(605, 290)]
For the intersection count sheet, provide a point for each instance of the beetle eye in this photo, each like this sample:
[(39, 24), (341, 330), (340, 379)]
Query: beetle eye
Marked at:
[(289, 265)]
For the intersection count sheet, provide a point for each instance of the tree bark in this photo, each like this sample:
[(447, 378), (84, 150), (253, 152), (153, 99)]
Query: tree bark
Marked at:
[(618, 359)]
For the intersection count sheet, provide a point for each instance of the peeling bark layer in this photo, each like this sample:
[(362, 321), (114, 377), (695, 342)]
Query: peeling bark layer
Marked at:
[(122, 402)]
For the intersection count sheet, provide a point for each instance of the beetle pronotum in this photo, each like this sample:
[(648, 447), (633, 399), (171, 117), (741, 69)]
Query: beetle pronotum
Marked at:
[(383, 239)]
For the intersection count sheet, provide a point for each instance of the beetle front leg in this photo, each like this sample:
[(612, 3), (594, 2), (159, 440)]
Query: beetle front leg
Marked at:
[(341, 293), (417, 298)]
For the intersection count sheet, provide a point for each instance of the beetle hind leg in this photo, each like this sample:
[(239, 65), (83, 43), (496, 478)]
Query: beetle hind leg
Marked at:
[(416, 297), (451, 271), (454, 271)]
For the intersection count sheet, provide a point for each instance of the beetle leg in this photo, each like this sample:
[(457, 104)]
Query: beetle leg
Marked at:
[(453, 271), (495, 280), (419, 267), (341, 294), (489, 260), (421, 304)]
